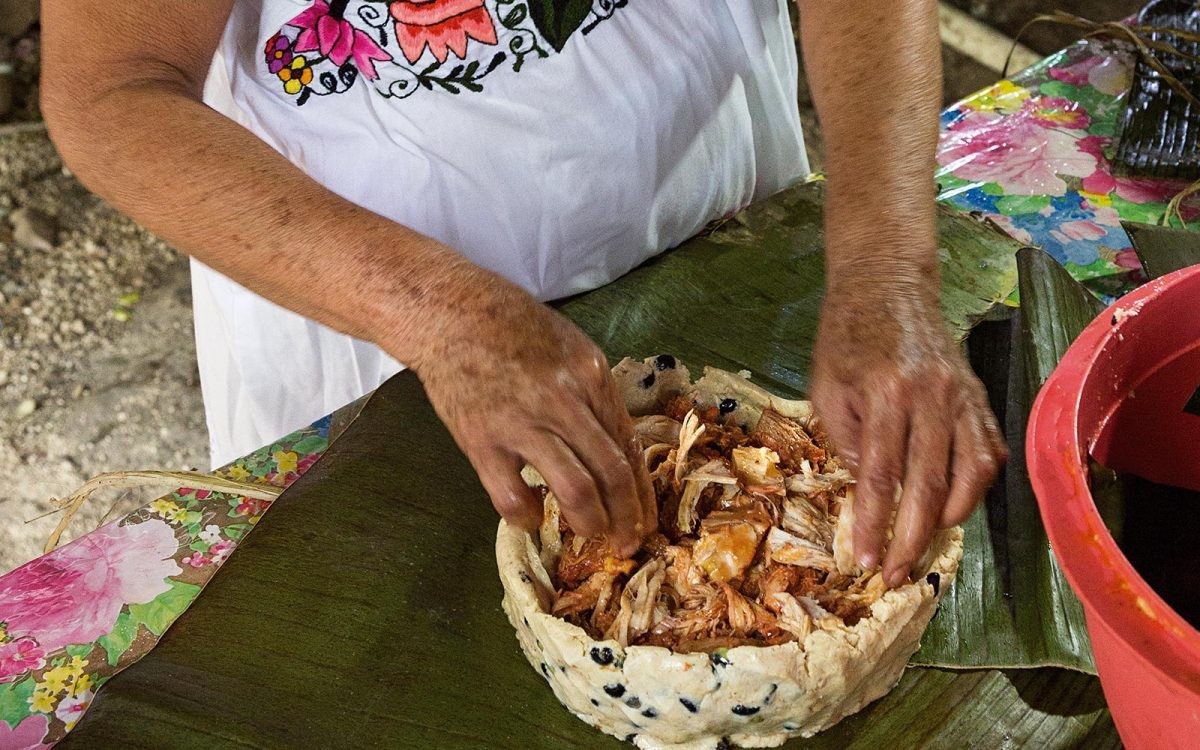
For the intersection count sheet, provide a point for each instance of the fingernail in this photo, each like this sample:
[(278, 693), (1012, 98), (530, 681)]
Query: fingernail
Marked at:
[(868, 560)]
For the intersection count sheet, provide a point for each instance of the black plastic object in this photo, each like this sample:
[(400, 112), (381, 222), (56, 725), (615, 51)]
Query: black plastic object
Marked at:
[(1160, 136)]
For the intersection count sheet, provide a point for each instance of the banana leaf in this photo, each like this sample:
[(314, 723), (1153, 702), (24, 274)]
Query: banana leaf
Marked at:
[(1163, 249), (364, 610)]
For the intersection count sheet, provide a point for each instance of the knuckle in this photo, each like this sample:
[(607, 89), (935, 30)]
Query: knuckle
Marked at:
[(936, 488), (578, 492), (986, 466), (880, 480)]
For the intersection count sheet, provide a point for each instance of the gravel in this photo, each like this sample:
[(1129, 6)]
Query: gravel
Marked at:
[(97, 361)]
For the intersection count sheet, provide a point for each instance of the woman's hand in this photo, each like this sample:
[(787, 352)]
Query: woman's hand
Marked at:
[(517, 383), (902, 405)]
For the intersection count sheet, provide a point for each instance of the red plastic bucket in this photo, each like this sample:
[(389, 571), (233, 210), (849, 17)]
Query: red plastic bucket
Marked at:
[(1119, 394)]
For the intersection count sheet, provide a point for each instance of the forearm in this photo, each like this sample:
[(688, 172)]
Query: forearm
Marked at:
[(217, 192), (875, 71)]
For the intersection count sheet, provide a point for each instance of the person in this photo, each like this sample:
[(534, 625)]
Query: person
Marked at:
[(367, 183)]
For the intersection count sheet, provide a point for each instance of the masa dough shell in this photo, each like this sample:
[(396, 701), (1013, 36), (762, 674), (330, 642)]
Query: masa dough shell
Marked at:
[(752, 696)]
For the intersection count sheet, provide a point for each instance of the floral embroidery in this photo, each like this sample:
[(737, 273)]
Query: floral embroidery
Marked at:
[(404, 46), (441, 26)]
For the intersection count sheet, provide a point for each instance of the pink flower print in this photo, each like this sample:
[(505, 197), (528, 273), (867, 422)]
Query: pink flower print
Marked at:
[(1016, 152), (1147, 189), (1109, 74), (221, 550), (1011, 229), (1076, 74), (1105, 216), (304, 463), (196, 560), (279, 53), (74, 594), (1128, 259), (252, 507), (1078, 230), (20, 656), (1099, 182), (337, 39), (27, 735)]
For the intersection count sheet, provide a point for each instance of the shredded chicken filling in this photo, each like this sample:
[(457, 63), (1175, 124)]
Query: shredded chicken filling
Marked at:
[(749, 549)]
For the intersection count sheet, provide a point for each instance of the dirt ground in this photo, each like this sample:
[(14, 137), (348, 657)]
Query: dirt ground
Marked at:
[(111, 386), (97, 362)]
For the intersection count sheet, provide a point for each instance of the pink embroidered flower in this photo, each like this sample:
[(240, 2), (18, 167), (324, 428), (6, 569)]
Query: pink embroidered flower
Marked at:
[(279, 53), (20, 656), (27, 735), (196, 560), (1020, 154), (74, 594), (441, 25), (337, 39), (221, 550)]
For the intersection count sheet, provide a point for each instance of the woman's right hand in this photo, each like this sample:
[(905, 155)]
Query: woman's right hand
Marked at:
[(517, 383)]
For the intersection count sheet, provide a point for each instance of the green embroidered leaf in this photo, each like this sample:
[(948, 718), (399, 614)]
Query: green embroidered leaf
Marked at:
[(514, 17), (117, 641), (14, 701), (158, 615), (558, 19), (1010, 205), (992, 188)]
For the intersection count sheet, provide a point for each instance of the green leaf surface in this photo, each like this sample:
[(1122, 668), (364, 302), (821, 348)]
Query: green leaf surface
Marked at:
[(1055, 309), (364, 610), (557, 20), (1163, 249)]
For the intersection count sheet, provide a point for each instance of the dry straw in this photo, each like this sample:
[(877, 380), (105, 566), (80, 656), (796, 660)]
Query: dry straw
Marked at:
[(167, 480)]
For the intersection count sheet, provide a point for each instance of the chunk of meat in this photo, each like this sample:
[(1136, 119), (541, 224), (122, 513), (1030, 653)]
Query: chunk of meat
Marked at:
[(582, 557), (729, 541), (788, 439)]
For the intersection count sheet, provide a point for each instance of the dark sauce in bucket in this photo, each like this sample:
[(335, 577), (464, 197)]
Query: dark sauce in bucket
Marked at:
[(1157, 527)]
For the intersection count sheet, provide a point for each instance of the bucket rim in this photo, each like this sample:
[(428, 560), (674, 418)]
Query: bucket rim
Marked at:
[(1106, 582)]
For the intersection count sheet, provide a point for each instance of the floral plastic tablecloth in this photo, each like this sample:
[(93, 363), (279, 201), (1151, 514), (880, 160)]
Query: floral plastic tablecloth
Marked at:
[(1029, 153), (1033, 154), (73, 618)]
